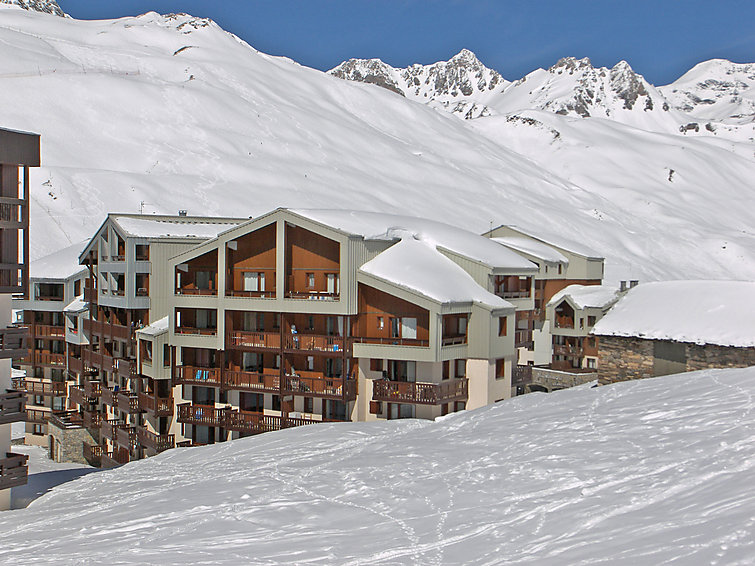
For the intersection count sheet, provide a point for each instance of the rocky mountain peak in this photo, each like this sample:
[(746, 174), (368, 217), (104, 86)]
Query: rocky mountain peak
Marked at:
[(46, 6), (570, 65)]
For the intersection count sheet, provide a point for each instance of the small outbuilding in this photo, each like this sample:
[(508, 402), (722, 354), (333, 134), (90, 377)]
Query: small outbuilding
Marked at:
[(677, 326)]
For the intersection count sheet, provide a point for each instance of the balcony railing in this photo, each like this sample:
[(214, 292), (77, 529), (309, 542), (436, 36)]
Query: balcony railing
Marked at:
[(246, 339), (195, 291), (45, 388), (126, 436), (156, 442), (14, 342), (49, 331), (92, 389), (564, 322), (158, 406), (191, 375), (92, 419), (514, 294), (66, 420), (108, 329), (315, 342), (93, 454), (49, 359), (312, 384), (75, 365), (13, 470), (109, 397), (393, 341), (204, 415), (453, 340), (90, 294), (96, 360), (267, 381), (419, 393), (12, 407), (37, 416), (313, 295), (256, 423), (114, 459), (269, 294), (190, 330), (109, 429), (128, 402)]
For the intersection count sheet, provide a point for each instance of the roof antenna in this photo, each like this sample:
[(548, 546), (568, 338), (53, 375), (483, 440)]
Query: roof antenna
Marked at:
[(490, 233), (141, 206)]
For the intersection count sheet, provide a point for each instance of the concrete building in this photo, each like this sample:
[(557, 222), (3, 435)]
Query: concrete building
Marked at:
[(54, 282), (676, 326), (18, 152)]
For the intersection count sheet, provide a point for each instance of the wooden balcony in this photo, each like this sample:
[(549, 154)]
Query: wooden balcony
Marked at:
[(453, 340), (267, 382), (109, 429), (156, 442), (313, 295), (92, 389), (316, 343), (268, 294), (90, 295), (564, 322), (75, 365), (35, 387), (13, 470), (393, 341), (315, 384), (256, 423), (128, 402), (92, 419), (66, 420), (192, 331), (12, 407), (158, 406), (567, 350), (37, 416), (191, 375), (14, 342), (48, 359), (94, 361), (125, 436), (49, 331), (196, 292), (419, 393), (114, 459), (254, 340), (108, 330), (203, 415), (109, 397), (514, 294), (93, 454)]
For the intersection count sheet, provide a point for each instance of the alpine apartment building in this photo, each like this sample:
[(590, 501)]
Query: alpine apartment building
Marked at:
[(18, 152)]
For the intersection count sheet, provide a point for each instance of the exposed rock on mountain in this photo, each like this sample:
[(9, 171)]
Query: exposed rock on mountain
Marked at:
[(46, 6)]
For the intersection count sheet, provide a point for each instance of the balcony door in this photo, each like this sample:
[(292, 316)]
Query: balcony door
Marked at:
[(408, 327), (254, 281)]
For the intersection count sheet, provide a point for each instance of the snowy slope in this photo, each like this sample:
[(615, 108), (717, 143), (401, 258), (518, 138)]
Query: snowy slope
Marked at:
[(657, 471), (171, 112)]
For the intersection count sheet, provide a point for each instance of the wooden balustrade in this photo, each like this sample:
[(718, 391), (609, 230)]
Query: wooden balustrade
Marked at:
[(37, 416), (13, 470), (204, 415), (269, 294), (128, 402), (36, 387), (453, 340), (156, 442), (314, 384), (115, 458), (564, 322), (90, 294), (49, 331), (75, 365), (158, 406), (392, 341), (268, 382), (190, 330), (315, 342), (419, 393), (92, 389), (108, 429), (195, 291), (14, 342), (65, 420), (92, 419), (191, 375), (93, 454), (245, 339), (255, 423), (126, 436), (49, 359), (12, 407), (111, 330), (109, 397)]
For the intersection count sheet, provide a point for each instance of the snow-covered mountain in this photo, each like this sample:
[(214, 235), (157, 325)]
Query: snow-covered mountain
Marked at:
[(461, 85), (656, 471), (716, 90), (45, 6), (163, 113)]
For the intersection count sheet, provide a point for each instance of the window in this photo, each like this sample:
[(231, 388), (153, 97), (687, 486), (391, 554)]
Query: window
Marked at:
[(503, 326), (309, 405), (331, 280), (591, 320), (39, 401), (204, 279), (310, 323), (500, 369), (408, 327), (592, 363), (395, 327), (380, 323), (276, 402), (311, 280), (559, 269), (166, 355), (581, 322), (463, 326), (376, 365), (461, 368), (77, 287), (446, 369), (39, 429)]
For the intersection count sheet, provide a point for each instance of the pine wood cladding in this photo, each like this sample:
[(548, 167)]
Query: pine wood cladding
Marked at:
[(310, 255), (254, 253), (198, 276), (375, 304)]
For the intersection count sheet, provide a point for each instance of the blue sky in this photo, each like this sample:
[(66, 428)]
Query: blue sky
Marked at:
[(660, 39)]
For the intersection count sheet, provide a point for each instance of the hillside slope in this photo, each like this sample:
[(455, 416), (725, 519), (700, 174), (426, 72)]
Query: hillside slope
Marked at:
[(161, 113), (657, 471)]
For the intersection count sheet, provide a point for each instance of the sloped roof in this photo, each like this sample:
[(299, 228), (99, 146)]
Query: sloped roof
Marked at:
[(534, 248), (158, 327), (145, 226), (586, 296), (701, 312), (59, 265)]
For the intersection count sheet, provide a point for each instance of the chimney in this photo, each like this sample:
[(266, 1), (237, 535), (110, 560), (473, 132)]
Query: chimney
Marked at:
[(633, 284), (182, 213), (622, 286)]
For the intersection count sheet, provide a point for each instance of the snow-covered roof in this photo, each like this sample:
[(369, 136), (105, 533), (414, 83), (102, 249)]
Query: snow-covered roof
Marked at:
[(539, 250), (174, 227), (416, 265), (586, 296), (76, 306), (378, 226), (561, 242), (701, 312), (59, 265), (156, 328)]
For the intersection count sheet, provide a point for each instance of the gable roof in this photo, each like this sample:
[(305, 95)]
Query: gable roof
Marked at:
[(700, 312), (59, 265), (587, 296)]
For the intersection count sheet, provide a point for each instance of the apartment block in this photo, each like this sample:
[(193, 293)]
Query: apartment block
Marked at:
[(18, 152)]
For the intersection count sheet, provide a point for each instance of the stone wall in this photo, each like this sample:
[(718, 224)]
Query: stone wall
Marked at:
[(69, 443), (622, 359), (553, 379)]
